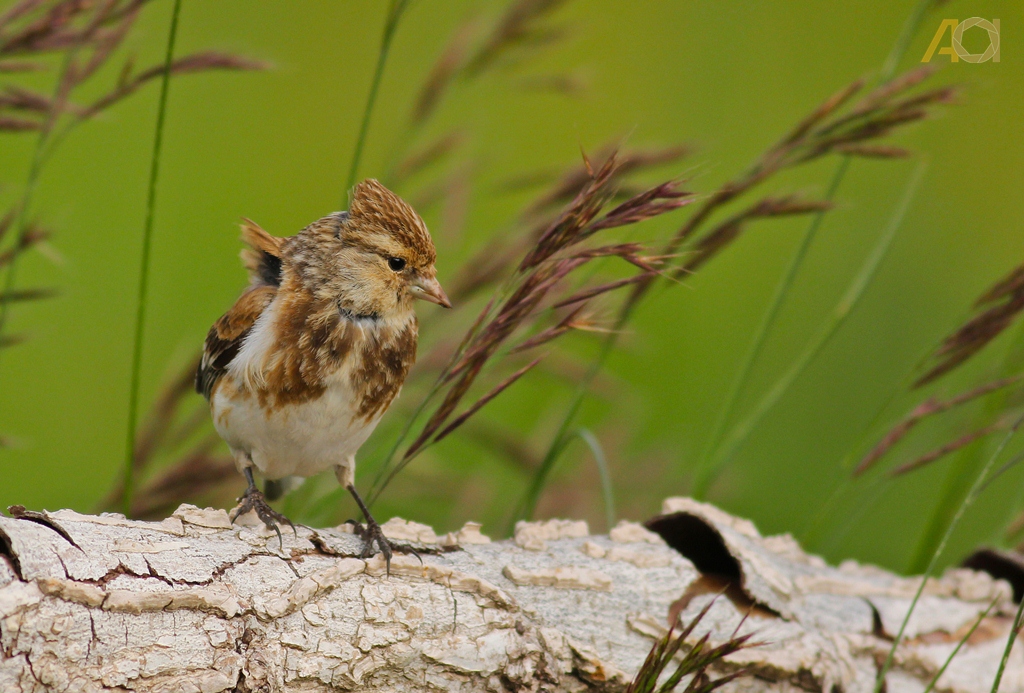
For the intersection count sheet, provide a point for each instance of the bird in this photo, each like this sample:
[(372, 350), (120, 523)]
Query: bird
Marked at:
[(300, 370)]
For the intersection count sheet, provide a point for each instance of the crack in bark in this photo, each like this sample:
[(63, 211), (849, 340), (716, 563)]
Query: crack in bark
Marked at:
[(19, 512), (7, 551)]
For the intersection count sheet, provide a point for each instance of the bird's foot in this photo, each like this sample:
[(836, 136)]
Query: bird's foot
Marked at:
[(371, 533), (253, 499)]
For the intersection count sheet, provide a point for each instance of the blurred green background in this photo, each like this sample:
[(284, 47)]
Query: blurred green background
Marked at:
[(728, 77)]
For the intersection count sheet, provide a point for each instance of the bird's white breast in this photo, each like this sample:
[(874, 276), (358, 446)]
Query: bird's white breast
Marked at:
[(299, 439)]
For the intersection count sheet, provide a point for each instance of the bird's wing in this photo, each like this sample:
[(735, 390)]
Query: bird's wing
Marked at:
[(227, 335)]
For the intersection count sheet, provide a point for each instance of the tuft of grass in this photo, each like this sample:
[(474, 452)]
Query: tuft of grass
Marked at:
[(85, 36), (147, 240), (694, 662)]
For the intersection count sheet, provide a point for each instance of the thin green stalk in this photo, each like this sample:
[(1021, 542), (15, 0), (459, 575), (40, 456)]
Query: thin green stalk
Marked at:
[(562, 437), (1013, 360), (147, 241), (742, 430), (961, 469), (967, 502), (967, 636), (964, 464), (810, 534), (601, 460), (395, 10), (907, 33), (865, 505), (707, 468), (1009, 646)]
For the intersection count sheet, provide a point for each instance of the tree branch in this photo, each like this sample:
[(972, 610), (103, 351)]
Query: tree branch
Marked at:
[(194, 604)]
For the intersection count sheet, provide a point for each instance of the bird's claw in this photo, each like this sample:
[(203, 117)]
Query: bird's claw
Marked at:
[(372, 533), (253, 499)]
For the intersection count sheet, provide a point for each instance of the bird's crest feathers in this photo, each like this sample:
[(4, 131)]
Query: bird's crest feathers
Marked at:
[(375, 208)]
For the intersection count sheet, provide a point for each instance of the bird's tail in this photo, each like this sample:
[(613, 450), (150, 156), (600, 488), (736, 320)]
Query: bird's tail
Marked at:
[(275, 489), (263, 256)]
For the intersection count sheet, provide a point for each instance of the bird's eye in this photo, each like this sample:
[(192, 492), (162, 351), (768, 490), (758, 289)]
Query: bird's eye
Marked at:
[(396, 263)]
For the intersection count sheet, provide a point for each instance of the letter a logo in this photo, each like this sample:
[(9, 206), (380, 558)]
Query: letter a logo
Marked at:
[(945, 50)]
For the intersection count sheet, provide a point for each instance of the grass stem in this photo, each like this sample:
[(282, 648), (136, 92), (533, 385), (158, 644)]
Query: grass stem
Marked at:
[(395, 10), (562, 436), (707, 469), (711, 461), (1009, 646), (972, 495), (601, 460), (147, 242), (739, 433), (962, 641)]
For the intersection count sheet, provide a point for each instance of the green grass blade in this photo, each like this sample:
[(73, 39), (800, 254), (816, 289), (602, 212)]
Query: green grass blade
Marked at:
[(742, 430), (907, 33), (562, 437), (147, 242), (601, 460), (706, 470), (529, 503), (963, 640), (1009, 646), (967, 502), (395, 10)]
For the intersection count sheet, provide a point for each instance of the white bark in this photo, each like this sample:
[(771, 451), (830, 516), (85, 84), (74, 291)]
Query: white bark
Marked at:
[(193, 604)]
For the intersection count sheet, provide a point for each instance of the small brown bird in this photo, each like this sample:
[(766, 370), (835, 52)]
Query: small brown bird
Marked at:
[(304, 365)]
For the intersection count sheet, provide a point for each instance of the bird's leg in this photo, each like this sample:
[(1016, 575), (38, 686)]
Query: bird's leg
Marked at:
[(253, 499), (372, 532)]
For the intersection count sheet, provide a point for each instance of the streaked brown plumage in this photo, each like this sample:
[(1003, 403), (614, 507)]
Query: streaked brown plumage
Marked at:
[(299, 371)]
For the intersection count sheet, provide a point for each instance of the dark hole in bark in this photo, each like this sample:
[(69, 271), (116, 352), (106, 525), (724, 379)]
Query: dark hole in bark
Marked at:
[(703, 545), (698, 541), (1002, 565)]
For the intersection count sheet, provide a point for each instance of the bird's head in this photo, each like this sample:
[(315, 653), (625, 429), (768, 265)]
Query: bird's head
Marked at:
[(372, 260)]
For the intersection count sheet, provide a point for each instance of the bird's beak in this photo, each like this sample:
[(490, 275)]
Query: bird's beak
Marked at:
[(430, 290)]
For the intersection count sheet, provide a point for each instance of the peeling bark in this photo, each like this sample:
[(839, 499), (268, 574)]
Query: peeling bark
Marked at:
[(91, 603)]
